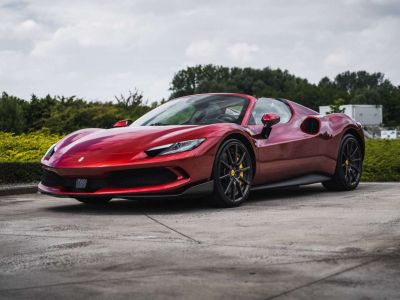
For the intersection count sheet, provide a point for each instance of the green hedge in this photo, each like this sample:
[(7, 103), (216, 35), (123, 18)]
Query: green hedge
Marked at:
[(382, 160), (20, 156), (29, 147), (19, 172)]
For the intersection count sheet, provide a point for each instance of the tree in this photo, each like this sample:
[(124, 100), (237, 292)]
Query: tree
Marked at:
[(11, 114), (335, 106), (258, 82), (38, 110), (133, 100), (65, 114), (351, 87)]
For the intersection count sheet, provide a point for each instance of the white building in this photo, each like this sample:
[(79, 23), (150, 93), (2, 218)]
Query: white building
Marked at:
[(367, 115), (389, 134)]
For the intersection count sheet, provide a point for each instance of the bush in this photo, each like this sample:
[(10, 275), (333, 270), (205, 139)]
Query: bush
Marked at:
[(382, 160), (20, 157), (25, 147), (20, 172), (67, 114)]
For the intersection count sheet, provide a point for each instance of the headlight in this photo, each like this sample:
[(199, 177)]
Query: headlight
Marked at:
[(51, 151), (175, 147)]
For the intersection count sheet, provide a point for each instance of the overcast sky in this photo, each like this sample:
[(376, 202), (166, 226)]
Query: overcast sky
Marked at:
[(98, 49)]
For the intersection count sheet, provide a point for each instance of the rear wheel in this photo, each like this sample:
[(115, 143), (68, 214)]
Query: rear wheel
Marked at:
[(93, 201), (233, 174), (349, 166)]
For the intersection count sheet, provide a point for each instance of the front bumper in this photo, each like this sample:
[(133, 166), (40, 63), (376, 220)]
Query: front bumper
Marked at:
[(170, 177), (197, 190)]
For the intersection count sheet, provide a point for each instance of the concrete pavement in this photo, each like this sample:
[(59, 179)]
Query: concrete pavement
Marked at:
[(301, 243)]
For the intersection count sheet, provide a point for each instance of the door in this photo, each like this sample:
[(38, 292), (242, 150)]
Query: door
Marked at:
[(288, 152)]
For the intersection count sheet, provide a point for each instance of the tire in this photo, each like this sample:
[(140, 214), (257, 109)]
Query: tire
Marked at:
[(232, 174), (349, 166), (94, 201)]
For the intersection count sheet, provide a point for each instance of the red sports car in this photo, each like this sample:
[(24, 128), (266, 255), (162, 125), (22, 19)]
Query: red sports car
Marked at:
[(223, 145)]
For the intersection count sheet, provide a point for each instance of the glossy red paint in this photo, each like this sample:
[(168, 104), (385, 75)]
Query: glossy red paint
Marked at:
[(287, 153), (270, 119), (122, 123)]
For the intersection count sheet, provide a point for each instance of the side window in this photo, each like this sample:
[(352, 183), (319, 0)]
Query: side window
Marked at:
[(268, 105), (234, 110)]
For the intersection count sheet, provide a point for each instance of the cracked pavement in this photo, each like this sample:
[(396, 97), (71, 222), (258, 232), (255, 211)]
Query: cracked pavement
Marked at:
[(302, 243)]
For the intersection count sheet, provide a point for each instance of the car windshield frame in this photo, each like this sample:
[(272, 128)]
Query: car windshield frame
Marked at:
[(198, 110)]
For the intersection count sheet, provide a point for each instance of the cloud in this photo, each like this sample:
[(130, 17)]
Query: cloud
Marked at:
[(242, 53), (337, 58), (98, 49), (204, 49)]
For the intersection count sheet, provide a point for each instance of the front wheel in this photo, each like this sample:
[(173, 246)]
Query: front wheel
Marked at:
[(349, 166), (232, 174), (93, 201)]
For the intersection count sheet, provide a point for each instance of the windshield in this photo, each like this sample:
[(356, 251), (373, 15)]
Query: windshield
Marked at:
[(196, 110)]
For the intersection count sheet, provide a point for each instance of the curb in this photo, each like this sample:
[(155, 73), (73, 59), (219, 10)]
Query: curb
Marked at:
[(28, 188)]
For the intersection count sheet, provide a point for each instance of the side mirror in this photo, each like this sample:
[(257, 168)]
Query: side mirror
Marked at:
[(122, 123), (269, 120)]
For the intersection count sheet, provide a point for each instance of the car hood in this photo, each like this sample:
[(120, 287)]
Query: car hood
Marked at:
[(101, 147)]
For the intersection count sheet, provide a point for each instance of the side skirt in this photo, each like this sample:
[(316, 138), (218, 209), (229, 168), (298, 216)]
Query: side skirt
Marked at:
[(302, 180)]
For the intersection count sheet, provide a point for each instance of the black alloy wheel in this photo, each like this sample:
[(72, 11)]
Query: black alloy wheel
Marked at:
[(233, 172), (351, 162), (349, 166)]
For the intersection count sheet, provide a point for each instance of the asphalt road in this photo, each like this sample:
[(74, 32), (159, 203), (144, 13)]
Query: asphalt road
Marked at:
[(301, 243)]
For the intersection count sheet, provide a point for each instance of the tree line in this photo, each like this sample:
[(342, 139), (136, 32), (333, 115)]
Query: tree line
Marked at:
[(346, 88), (61, 114)]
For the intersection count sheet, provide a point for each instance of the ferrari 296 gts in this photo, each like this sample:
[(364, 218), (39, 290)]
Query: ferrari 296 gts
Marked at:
[(222, 145)]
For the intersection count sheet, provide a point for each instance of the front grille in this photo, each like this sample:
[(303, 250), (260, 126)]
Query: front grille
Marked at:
[(118, 179)]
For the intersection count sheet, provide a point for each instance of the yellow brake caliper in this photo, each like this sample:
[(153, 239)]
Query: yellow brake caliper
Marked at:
[(240, 168)]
